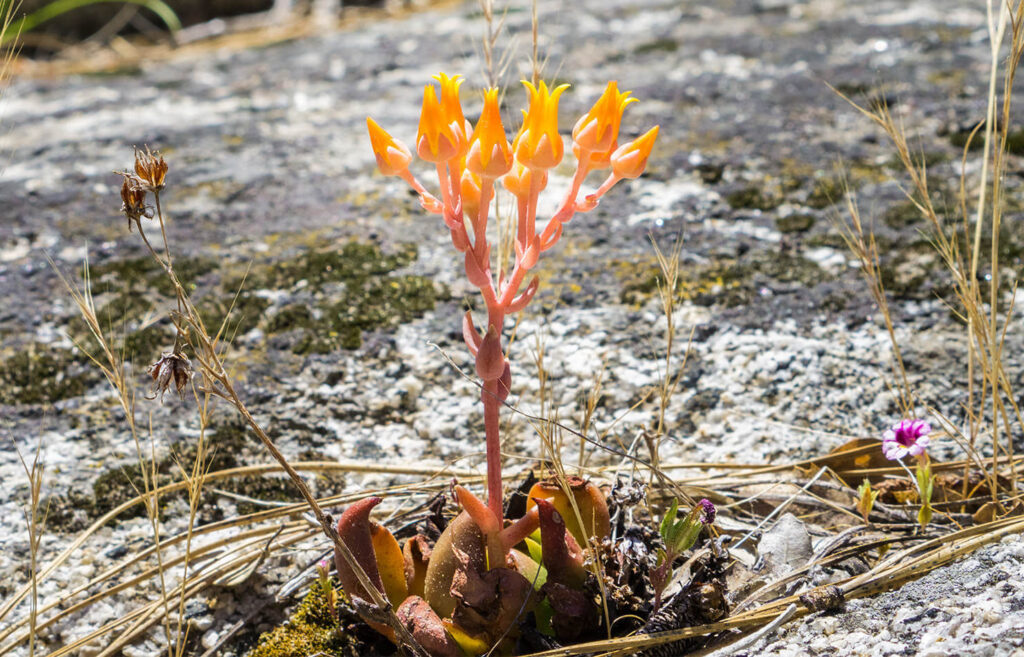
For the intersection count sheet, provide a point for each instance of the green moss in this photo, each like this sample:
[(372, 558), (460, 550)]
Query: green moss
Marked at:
[(928, 158), (916, 273), (314, 629), (124, 270), (41, 374), (753, 198), (224, 448), (243, 313), (144, 273), (136, 284), (125, 70), (188, 271), (145, 345), (293, 316), (1014, 139), (355, 261), (902, 215), (853, 89), (657, 45), (371, 297), (826, 192), (795, 223), (725, 282), (125, 320)]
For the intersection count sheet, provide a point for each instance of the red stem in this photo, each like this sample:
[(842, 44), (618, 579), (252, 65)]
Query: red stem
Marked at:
[(568, 207), (491, 421)]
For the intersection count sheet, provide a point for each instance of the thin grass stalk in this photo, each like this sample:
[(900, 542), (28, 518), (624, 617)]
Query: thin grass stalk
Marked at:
[(146, 616), (206, 351), (270, 514), (113, 367), (133, 581), (34, 526)]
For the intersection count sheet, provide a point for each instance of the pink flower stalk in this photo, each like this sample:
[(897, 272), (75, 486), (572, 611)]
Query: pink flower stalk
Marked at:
[(906, 437), (468, 168)]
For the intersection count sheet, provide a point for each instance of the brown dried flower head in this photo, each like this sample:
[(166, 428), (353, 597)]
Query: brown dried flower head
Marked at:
[(133, 201), (173, 368), (150, 168)]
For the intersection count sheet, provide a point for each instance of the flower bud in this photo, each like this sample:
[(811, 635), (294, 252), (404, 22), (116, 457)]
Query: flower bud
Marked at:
[(393, 157), (629, 161)]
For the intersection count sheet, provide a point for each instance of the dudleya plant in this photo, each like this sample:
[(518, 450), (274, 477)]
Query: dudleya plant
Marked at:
[(469, 591)]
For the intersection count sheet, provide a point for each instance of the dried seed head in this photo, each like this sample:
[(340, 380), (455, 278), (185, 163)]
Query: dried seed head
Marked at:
[(133, 201), (150, 168), (172, 369)]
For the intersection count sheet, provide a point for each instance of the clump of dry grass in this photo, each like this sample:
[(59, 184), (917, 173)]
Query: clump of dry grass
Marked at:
[(991, 406)]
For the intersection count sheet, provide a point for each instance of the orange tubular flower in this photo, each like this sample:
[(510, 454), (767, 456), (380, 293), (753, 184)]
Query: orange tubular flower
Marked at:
[(436, 141), (598, 129), (450, 104), (490, 155), (393, 157), (629, 161), (538, 144)]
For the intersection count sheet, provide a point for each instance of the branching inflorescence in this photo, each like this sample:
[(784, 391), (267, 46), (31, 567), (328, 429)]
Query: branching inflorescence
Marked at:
[(469, 165), (468, 594)]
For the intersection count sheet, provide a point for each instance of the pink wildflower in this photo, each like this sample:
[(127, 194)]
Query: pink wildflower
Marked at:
[(906, 437)]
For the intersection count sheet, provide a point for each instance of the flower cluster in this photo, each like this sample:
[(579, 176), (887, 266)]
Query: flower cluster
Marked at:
[(469, 162), (466, 593)]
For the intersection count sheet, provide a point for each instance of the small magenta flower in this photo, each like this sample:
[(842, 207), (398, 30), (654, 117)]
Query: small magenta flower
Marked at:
[(906, 437)]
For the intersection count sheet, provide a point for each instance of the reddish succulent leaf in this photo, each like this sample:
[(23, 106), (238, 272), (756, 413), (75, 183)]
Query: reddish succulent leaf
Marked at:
[(354, 530), (593, 510), (490, 360), (573, 611), (426, 627), (524, 297), (474, 273), (561, 553), (490, 602), (469, 334), (464, 535), (505, 382)]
